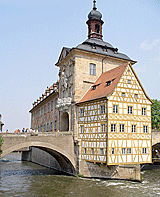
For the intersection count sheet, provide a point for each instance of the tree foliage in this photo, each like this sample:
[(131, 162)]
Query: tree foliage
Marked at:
[(155, 110), (0, 145)]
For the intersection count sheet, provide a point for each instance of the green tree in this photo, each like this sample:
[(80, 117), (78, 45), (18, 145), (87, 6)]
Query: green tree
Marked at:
[(0, 145), (155, 110)]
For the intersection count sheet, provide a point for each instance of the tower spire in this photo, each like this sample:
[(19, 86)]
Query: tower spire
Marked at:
[(94, 5)]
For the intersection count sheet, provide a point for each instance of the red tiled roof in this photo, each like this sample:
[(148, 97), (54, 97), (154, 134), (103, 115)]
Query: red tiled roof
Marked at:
[(102, 90)]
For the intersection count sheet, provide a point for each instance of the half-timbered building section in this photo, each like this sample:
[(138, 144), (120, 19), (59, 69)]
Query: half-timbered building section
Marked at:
[(44, 111), (92, 126), (129, 122), (114, 118)]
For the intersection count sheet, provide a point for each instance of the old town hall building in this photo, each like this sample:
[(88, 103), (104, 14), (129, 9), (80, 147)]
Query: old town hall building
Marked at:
[(100, 99)]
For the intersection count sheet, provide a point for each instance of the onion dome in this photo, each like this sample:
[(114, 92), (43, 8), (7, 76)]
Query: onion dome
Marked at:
[(94, 13)]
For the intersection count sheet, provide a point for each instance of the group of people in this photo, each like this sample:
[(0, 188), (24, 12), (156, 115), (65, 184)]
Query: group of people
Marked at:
[(27, 130)]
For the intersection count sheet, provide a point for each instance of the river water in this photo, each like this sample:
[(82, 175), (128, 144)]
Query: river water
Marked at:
[(19, 178)]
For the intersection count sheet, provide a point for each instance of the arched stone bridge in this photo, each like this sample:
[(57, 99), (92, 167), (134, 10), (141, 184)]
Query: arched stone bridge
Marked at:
[(60, 145)]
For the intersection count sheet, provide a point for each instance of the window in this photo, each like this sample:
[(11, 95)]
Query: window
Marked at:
[(82, 129), (113, 127), (63, 93), (129, 81), (51, 105), (123, 94), (123, 150), (56, 100), (44, 128), (85, 151), (92, 69), (121, 128), (143, 111), (102, 109), (112, 151), (70, 70), (133, 128), (41, 128), (102, 128), (48, 107), (41, 111), (47, 127), (145, 129), (45, 109), (109, 83), (55, 125), (92, 151), (115, 109), (97, 28), (136, 95), (128, 150), (69, 91), (51, 126), (94, 87), (101, 151), (81, 112), (144, 150), (129, 110)]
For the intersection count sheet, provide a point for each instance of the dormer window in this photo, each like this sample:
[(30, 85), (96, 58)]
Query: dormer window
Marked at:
[(95, 87), (109, 83), (93, 47), (97, 28)]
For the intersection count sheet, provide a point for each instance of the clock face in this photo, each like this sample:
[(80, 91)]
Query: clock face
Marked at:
[(64, 53)]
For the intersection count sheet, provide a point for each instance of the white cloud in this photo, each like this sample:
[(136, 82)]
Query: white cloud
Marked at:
[(148, 46)]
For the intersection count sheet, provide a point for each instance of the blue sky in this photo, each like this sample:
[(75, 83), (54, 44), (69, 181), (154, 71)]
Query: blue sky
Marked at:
[(33, 33)]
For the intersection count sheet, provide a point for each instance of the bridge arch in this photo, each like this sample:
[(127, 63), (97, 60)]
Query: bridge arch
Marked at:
[(65, 160)]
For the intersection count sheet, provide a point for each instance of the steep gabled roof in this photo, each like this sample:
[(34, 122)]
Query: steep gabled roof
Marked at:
[(104, 85)]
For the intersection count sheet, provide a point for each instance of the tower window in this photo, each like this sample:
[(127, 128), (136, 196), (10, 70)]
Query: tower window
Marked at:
[(92, 69), (97, 28), (63, 93), (70, 91)]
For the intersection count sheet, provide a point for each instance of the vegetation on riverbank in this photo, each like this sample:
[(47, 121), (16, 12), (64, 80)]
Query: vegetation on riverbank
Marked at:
[(155, 110)]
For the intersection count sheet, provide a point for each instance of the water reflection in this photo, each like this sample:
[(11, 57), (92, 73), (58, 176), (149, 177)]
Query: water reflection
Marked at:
[(27, 179)]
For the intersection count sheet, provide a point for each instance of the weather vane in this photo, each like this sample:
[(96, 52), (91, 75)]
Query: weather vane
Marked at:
[(94, 5)]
